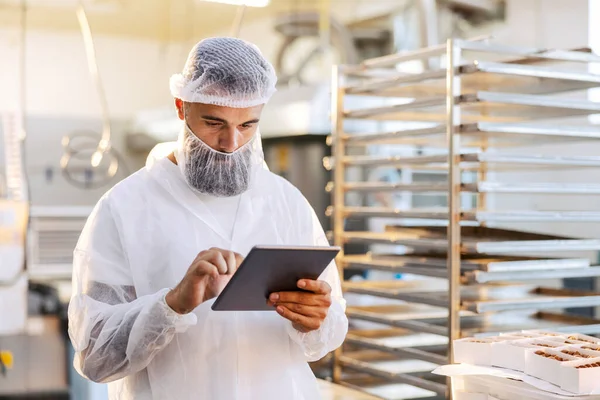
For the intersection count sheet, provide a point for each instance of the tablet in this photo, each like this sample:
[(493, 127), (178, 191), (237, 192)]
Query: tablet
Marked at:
[(269, 269)]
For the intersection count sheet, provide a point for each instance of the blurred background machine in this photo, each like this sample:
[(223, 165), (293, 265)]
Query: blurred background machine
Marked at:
[(33, 350)]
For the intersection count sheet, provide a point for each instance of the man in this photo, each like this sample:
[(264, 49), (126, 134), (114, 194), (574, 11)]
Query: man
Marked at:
[(162, 244)]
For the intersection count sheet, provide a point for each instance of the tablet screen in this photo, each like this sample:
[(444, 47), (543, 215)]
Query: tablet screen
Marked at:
[(269, 269)]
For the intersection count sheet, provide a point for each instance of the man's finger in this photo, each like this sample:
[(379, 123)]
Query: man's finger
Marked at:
[(318, 287), (306, 322), (231, 262), (238, 259), (307, 311), (217, 258), (309, 299), (204, 268)]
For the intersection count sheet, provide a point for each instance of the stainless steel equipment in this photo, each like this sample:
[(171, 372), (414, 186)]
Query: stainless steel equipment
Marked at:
[(298, 159), (471, 275), (52, 237)]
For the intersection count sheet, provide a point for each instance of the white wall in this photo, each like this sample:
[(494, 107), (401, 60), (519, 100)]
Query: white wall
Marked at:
[(135, 74), (545, 23)]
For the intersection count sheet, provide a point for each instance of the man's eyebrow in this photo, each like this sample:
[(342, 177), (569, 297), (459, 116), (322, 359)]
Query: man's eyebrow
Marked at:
[(217, 119), (211, 118)]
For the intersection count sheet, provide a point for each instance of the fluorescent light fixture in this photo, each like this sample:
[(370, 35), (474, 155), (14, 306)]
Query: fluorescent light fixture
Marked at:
[(249, 3)]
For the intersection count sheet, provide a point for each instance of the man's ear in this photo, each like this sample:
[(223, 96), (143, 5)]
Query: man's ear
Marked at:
[(179, 105)]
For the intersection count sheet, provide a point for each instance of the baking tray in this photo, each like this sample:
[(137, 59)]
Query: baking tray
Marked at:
[(476, 216), (474, 46), (412, 372), (529, 132), (480, 299), (474, 240), (438, 187), (418, 346), (480, 107), (528, 54), (335, 391), (472, 161), (395, 338), (471, 245), (479, 134), (412, 316), (385, 390), (473, 277), (476, 76), (405, 136), (401, 316), (480, 187), (469, 263), (532, 188)]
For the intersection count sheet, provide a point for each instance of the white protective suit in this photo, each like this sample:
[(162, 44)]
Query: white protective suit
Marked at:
[(138, 243)]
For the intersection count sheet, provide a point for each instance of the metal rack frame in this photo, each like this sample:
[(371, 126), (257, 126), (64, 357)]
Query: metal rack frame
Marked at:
[(467, 104)]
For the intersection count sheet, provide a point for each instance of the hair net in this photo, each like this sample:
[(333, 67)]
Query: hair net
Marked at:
[(225, 72)]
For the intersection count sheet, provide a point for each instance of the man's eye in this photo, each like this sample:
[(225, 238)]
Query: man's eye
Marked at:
[(213, 123), (246, 126)]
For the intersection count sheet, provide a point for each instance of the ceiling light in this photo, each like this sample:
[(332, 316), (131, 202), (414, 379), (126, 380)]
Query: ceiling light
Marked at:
[(249, 3)]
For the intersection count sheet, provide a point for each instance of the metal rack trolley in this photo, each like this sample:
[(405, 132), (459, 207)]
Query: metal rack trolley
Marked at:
[(477, 112)]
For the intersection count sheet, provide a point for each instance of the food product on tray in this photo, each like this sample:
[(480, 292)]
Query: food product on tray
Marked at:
[(593, 365), (582, 340), (573, 341), (544, 345), (588, 347), (576, 354), (554, 357)]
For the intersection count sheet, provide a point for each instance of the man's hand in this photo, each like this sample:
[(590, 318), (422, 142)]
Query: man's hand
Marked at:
[(306, 309), (205, 279)]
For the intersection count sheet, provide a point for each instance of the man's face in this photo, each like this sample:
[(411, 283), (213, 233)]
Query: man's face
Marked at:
[(213, 158), (224, 129)]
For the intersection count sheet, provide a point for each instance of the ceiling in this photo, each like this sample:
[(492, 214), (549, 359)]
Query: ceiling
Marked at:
[(165, 20)]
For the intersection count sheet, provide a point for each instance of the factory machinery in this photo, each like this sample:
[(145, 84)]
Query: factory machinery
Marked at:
[(479, 260)]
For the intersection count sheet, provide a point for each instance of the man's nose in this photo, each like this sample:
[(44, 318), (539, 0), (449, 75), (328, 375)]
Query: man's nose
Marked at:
[(229, 140)]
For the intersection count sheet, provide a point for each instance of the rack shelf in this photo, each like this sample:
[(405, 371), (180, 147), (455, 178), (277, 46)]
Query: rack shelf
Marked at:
[(480, 107), (431, 348), (478, 187), (384, 365), (473, 245), (478, 216), (436, 321), (480, 133), (479, 76), (472, 161), (481, 299), (476, 270), (468, 120)]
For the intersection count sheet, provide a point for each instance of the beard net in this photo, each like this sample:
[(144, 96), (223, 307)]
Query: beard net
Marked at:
[(215, 173)]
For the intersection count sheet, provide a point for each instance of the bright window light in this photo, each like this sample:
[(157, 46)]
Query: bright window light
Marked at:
[(249, 3)]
